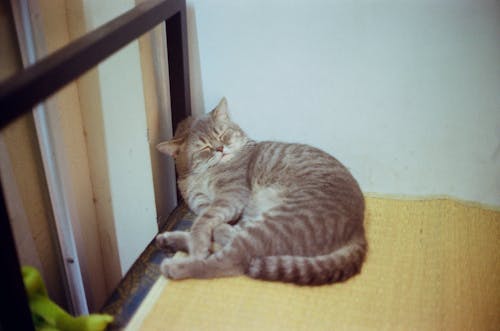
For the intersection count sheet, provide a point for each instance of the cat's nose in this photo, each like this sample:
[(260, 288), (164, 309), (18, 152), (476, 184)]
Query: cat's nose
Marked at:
[(219, 148)]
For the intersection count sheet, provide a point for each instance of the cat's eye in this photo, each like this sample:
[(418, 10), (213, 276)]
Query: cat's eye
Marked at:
[(205, 152), (218, 133), (226, 137)]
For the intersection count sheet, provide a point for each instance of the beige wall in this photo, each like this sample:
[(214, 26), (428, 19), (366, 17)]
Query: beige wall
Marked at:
[(105, 125), (51, 32), (114, 117), (23, 178), (157, 105)]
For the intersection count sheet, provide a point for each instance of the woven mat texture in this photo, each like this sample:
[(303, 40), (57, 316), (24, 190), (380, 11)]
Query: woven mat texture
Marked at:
[(432, 265)]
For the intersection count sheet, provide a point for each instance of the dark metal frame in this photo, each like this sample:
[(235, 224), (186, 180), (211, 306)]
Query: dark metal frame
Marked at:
[(19, 94)]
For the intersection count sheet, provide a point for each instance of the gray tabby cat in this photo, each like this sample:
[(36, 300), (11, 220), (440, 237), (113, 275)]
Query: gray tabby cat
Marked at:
[(299, 211)]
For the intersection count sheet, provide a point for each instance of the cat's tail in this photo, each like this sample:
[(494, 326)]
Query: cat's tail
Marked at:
[(337, 266)]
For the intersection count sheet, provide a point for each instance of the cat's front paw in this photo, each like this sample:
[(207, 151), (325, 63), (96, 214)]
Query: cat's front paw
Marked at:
[(223, 234), (200, 244), (173, 241), (199, 252), (174, 269)]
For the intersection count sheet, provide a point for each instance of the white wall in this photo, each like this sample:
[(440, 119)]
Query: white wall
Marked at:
[(114, 114), (406, 93)]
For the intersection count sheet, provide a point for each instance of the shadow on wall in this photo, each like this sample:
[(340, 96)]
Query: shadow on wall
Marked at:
[(197, 105)]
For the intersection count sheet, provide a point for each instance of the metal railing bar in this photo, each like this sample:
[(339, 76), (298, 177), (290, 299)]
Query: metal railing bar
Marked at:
[(20, 93), (26, 89)]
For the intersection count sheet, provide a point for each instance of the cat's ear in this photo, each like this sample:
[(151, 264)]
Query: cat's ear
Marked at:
[(171, 147), (220, 112)]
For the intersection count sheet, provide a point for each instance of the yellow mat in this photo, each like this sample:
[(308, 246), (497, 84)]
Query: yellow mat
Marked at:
[(432, 265)]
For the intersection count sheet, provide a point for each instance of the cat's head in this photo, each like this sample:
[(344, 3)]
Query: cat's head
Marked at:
[(205, 142)]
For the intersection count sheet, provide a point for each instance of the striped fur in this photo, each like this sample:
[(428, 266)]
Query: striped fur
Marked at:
[(299, 211)]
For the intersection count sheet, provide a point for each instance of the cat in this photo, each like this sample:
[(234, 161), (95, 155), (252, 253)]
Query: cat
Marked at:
[(299, 211)]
